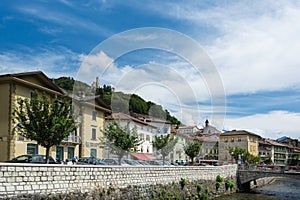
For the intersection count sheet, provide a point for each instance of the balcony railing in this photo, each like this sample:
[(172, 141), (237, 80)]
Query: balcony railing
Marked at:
[(72, 139)]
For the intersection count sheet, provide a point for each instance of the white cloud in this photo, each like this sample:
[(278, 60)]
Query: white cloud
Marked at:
[(260, 54), (176, 85), (255, 44), (62, 18), (269, 125), (55, 63)]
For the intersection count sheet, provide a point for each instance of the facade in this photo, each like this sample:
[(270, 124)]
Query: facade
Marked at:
[(145, 131), (92, 113), (22, 85), (265, 151), (13, 87), (209, 148), (279, 152), (237, 138), (178, 154), (163, 127)]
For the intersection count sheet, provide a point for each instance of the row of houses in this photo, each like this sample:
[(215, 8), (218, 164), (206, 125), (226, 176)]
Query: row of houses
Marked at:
[(92, 114), (215, 145), (88, 140)]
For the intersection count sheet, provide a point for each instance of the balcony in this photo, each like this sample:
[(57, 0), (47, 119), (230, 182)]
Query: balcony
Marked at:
[(72, 139)]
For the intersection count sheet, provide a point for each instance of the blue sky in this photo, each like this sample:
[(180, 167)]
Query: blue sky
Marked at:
[(254, 46)]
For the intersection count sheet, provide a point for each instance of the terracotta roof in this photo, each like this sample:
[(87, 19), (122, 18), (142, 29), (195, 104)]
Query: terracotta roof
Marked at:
[(149, 118), (271, 142), (274, 143), (238, 132), (206, 139)]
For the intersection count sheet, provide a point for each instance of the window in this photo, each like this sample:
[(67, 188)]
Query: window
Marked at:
[(71, 151), (93, 134), (32, 148), (93, 153), (147, 137), (141, 136), (94, 115), (239, 139), (226, 140), (232, 139)]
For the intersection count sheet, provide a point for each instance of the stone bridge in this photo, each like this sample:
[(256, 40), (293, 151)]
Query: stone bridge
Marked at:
[(246, 176)]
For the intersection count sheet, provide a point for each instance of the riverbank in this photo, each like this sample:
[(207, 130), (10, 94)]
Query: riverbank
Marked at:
[(282, 188)]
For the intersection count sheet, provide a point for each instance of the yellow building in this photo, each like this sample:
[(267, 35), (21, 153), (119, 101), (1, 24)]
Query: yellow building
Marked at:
[(81, 142), (92, 117), (237, 138)]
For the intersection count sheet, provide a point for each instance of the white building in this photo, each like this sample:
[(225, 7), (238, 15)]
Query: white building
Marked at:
[(145, 131)]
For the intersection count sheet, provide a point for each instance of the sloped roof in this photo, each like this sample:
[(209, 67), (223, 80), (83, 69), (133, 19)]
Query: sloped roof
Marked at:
[(206, 139), (123, 116), (21, 77), (149, 118), (238, 132)]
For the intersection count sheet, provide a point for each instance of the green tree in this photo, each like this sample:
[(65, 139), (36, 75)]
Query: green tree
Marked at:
[(45, 120), (122, 139), (238, 152), (192, 149), (164, 144)]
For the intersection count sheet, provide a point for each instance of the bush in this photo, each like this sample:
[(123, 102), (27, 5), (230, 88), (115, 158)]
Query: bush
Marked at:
[(218, 185), (229, 184), (182, 182), (203, 196), (199, 188), (219, 179), (207, 190)]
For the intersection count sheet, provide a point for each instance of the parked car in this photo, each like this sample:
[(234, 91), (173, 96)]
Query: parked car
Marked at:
[(32, 158), (86, 161), (143, 162), (90, 161), (100, 162), (112, 161)]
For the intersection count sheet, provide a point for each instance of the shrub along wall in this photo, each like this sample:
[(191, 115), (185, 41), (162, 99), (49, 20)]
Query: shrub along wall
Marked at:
[(110, 182)]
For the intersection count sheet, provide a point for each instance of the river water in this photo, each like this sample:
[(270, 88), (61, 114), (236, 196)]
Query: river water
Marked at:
[(282, 189)]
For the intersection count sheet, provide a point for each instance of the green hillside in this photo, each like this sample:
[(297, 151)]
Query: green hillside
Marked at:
[(67, 83), (118, 101)]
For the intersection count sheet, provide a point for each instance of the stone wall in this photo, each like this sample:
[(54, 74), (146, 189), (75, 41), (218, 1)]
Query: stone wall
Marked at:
[(24, 179)]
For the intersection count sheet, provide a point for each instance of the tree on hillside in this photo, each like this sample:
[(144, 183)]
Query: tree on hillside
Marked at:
[(192, 149), (137, 104), (172, 119), (122, 139), (47, 121), (164, 144)]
